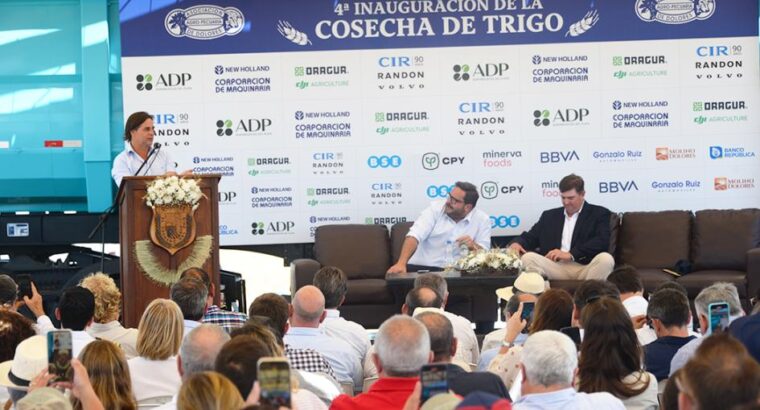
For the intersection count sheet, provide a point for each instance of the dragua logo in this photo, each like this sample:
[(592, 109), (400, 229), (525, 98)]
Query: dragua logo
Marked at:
[(637, 60), (204, 22), (166, 81), (384, 220), (484, 71), (491, 190)]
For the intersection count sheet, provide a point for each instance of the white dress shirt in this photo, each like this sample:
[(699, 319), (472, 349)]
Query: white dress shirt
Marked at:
[(433, 228), (568, 228), (128, 162), (346, 330), (345, 362), (468, 349), (190, 325), (115, 332), (636, 305), (154, 378)]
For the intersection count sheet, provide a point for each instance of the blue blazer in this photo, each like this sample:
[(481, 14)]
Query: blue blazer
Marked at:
[(591, 235)]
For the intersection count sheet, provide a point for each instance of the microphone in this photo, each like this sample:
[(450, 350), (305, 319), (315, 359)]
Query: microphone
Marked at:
[(156, 147)]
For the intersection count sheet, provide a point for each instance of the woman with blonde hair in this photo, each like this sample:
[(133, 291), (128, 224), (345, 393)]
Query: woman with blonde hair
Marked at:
[(105, 322), (209, 391), (109, 374), (159, 336)]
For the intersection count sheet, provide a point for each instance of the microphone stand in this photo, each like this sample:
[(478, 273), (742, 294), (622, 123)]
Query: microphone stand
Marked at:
[(107, 213)]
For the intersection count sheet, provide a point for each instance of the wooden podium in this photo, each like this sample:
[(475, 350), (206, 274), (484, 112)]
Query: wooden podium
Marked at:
[(137, 289)]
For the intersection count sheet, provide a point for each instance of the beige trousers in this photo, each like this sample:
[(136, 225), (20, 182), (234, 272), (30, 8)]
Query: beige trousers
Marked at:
[(599, 267)]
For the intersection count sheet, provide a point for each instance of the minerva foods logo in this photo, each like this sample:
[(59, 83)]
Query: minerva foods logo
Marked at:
[(204, 22), (674, 11)]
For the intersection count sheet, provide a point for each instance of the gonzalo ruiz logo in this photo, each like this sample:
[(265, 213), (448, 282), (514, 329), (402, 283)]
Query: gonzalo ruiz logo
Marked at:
[(204, 22)]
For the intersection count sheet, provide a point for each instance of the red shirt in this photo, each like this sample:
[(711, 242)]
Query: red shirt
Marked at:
[(386, 393)]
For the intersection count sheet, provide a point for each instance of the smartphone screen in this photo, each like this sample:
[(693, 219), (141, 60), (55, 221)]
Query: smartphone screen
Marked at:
[(718, 317), (434, 379), (59, 355), (527, 312), (274, 380), (24, 285), (574, 333)]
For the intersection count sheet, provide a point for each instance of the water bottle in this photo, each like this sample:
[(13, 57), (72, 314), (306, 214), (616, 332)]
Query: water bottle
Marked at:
[(449, 255)]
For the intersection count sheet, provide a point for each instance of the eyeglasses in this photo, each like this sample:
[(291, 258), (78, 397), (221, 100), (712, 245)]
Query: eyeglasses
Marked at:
[(455, 200)]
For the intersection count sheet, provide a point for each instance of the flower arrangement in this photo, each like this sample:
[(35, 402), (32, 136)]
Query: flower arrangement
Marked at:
[(173, 191), (490, 261)]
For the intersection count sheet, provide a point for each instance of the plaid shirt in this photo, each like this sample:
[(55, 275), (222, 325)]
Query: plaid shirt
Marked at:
[(224, 318), (308, 360)]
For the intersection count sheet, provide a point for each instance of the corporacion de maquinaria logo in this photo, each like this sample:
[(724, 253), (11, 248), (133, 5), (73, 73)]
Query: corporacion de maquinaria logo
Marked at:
[(204, 22)]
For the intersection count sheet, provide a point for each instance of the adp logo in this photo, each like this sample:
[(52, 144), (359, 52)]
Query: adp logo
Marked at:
[(247, 126), (504, 221), (145, 82), (439, 191), (486, 71), (568, 116), (490, 189), (553, 157), (614, 187), (384, 161), (227, 197), (272, 228), (432, 160)]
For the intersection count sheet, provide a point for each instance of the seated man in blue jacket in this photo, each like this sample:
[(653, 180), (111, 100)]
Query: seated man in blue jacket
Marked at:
[(571, 240)]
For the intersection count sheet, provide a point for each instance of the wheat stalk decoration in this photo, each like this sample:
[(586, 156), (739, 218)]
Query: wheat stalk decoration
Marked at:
[(290, 33), (583, 25)]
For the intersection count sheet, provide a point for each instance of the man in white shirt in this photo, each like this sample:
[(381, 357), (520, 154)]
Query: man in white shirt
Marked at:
[(75, 310), (308, 311), (190, 295), (628, 282), (138, 137), (572, 240), (333, 284), (445, 226), (549, 362), (198, 354), (467, 348)]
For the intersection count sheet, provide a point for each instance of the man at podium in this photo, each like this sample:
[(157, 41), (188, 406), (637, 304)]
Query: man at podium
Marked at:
[(140, 156)]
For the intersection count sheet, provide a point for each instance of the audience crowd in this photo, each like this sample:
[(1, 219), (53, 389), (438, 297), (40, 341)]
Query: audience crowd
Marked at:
[(607, 346)]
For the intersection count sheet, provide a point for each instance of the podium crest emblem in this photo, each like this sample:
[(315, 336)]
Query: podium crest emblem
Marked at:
[(172, 227)]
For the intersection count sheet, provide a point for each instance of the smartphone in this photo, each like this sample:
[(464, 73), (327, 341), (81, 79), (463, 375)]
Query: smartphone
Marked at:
[(59, 355), (273, 374), (24, 283), (719, 312), (434, 379), (527, 312), (574, 333)]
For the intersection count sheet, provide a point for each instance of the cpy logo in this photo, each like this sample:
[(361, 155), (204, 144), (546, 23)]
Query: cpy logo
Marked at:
[(384, 161), (614, 187), (490, 189), (204, 22), (504, 221), (438, 191), (430, 161)]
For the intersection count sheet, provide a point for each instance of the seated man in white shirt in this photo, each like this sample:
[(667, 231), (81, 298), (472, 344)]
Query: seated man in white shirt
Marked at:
[(190, 295), (548, 365), (333, 284), (628, 282), (308, 311), (442, 229), (467, 348)]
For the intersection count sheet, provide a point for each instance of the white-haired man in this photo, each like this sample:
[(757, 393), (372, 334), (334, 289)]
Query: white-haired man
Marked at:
[(548, 365), (715, 293), (402, 348)]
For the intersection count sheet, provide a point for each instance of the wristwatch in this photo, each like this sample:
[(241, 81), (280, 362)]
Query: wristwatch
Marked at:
[(506, 344)]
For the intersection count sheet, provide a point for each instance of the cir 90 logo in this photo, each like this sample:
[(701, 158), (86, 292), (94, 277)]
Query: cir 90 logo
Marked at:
[(384, 161), (439, 191), (503, 221)]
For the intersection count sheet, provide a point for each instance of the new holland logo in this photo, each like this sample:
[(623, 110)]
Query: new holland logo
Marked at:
[(204, 22), (674, 11)]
